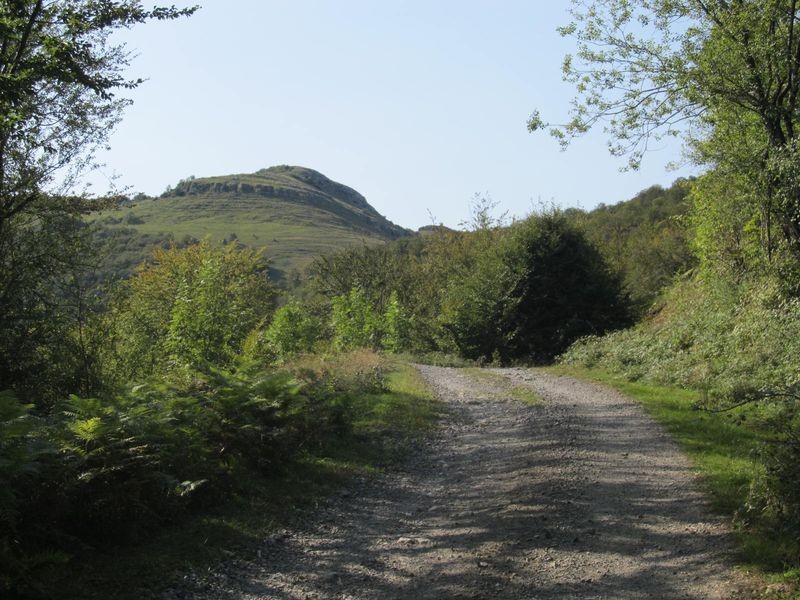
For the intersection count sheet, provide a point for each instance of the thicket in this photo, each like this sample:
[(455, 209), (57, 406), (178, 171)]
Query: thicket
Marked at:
[(187, 307), (646, 240), (188, 409), (498, 291)]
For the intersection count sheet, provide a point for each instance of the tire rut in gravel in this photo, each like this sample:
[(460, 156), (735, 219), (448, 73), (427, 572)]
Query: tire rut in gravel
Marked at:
[(582, 497)]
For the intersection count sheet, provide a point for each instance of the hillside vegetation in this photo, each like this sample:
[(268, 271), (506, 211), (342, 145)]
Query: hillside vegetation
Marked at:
[(646, 240), (294, 212)]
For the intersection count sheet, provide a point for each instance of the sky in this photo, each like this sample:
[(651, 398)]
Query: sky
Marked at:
[(418, 105)]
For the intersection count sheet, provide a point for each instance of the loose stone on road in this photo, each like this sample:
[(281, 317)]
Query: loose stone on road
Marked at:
[(581, 497)]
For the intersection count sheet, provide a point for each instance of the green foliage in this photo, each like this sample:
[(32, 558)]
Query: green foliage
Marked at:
[(105, 471), (121, 250), (726, 71), (646, 239), (378, 270), (778, 494), (388, 420), (355, 322), (713, 337), (19, 465), (190, 307), (476, 299), (725, 217), (59, 76), (517, 292), (395, 326), (563, 288), (41, 268), (723, 73), (294, 330)]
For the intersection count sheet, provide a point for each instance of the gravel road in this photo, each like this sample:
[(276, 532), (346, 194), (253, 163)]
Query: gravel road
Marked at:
[(581, 497)]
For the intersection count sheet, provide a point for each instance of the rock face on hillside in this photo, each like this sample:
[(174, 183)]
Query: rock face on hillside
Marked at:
[(298, 185)]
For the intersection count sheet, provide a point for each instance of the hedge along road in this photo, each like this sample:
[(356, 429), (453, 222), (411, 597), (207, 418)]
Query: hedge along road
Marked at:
[(582, 496)]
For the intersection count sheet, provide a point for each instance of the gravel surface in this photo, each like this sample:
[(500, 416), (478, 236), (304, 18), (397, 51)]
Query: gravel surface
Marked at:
[(581, 497)]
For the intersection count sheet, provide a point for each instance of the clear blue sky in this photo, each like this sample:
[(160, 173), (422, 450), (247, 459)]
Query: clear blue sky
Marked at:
[(418, 105)]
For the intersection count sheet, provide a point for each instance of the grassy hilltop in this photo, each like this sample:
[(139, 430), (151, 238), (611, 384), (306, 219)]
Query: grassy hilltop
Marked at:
[(295, 212)]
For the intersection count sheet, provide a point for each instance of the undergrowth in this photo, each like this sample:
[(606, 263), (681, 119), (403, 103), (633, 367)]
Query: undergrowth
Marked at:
[(198, 469)]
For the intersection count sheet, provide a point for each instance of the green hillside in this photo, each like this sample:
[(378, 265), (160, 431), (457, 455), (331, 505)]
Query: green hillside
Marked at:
[(644, 239), (295, 212)]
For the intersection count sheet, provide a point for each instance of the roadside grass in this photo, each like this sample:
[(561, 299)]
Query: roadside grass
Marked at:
[(505, 388), (387, 422), (723, 452)]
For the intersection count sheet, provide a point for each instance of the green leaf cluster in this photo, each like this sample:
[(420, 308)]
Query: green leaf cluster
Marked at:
[(190, 307), (506, 292)]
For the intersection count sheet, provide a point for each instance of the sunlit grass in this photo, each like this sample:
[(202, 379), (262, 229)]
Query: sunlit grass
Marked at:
[(292, 234)]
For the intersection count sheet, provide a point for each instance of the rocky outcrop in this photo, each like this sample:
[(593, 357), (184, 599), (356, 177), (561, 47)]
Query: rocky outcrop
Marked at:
[(298, 185)]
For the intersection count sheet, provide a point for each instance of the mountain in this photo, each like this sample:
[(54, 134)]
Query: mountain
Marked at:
[(295, 212)]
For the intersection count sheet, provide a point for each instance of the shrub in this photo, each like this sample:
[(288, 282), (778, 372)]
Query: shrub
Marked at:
[(293, 330), (562, 288), (395, 326), (354, 321), (191, 306), (103, 471)]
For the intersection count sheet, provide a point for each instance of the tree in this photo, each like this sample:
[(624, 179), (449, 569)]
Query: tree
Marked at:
[(725, 73), (59, 73), (59, 76), (190, 307), (562, 288)]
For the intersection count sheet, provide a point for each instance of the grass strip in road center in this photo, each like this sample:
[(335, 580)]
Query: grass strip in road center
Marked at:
[(503, 386)]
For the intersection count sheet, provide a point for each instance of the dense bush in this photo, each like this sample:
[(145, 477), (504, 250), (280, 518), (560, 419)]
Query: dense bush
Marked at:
[(710, 336), (190, 306), (293, 330), (646, 240), (43, 305), (395, 326), (475, 296), (563, 288), (355, 322), (101, 472), (516, 292)]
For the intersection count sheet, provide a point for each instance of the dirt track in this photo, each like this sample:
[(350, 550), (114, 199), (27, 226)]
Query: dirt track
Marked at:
[(581, 497)]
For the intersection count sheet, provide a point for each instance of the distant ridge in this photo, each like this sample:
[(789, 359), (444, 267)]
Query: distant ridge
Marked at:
[(296, 213), (299, 185)]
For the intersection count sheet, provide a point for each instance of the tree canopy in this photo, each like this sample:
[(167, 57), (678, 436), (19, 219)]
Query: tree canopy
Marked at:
[(60, 75), (722, 73)]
